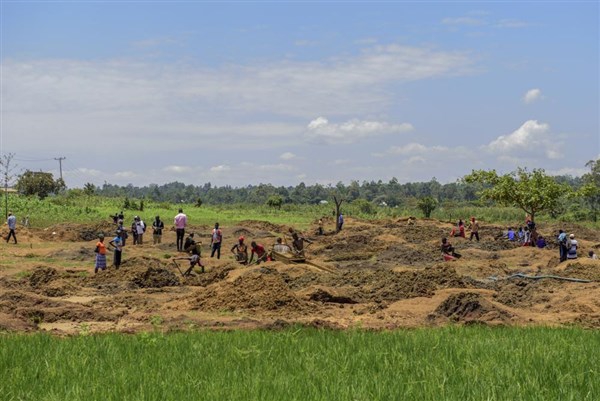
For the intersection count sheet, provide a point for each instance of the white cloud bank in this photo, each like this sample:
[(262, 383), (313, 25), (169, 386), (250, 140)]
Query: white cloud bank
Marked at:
[(320, 129), (531, 138), (126, 100), (532, 95)]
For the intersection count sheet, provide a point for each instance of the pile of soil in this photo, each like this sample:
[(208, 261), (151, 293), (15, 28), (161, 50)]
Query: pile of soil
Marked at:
[(469, 307), (257, 290)]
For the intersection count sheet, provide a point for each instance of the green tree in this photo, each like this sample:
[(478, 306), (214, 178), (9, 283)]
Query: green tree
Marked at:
[(364, 206), (590, 191), (427, 205), (198, 202), (39, 183), (533, 192), (275, 201), (89, 189)]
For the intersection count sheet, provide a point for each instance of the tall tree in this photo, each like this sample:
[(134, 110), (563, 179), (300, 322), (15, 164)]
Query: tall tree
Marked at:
[(533, 192), (39, 183), (590, 190)]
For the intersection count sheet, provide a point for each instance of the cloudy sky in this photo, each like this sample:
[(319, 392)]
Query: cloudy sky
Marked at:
[(241, 93)]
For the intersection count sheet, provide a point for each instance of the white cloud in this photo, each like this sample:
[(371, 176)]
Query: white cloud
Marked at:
[(532, 95), (320, 129), (126, 174), (408, 149), (220, 168), (287, 156), (470, 21), (274, 167), (177, 169), (88, 172), (530, 138)]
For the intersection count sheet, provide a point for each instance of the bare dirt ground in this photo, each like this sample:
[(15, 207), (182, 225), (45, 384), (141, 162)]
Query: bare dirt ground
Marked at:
[(387, 274)]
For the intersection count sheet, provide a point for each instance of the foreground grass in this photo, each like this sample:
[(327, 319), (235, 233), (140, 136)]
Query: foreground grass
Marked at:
[(475, 363)]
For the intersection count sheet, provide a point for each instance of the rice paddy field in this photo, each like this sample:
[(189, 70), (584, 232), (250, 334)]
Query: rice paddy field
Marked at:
[(452, 363)]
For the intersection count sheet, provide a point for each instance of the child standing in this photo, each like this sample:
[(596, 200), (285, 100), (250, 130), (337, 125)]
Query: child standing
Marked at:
[(100, 254)]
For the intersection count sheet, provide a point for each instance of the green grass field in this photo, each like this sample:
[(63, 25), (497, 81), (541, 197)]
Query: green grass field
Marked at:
[(94, 209), (453, 363)]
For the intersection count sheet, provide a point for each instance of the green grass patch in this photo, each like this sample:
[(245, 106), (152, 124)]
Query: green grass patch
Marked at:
[(94, 209), (455, 363)]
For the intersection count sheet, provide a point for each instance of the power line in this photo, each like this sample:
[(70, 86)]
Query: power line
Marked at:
[(32, 160), (60, 159)]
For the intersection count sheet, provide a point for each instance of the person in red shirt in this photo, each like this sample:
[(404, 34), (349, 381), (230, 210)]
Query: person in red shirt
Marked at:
[(260, 252)]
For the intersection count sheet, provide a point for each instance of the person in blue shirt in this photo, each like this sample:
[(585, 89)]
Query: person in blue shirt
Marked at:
[(12, 225), (117, 244), (340, 222), (562, 245), (510, 234), (541, 242)]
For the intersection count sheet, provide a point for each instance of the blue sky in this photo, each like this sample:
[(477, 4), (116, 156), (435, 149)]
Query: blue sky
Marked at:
[(247, 92)]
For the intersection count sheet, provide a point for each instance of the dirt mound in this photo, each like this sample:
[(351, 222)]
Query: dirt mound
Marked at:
[(42, 276), (257, 290), (36, 309), (241, 231), (321, 295), (155, 277), (82, 254), (135, 272), (264, 226), (587, 271), (469, 307), (523, 292), (422, 232), (383, 285), (24, 234), (409, 255), (71, 232), (210, 277)]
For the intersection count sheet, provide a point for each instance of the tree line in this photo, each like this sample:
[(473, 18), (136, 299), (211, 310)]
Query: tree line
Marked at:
[(532, 191)]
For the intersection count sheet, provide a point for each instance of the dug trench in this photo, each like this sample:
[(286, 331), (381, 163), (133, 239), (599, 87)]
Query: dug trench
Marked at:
[(385, 275)]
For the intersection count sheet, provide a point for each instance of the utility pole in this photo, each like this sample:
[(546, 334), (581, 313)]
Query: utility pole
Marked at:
[(60, 159)]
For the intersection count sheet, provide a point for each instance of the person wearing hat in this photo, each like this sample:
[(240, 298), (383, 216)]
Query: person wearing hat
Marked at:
[(572, 247), (240, 251), (100, 254), (117, 244)]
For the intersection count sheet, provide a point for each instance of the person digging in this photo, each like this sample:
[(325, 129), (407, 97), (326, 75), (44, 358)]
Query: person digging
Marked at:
[(448, 251), (194, 261)]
